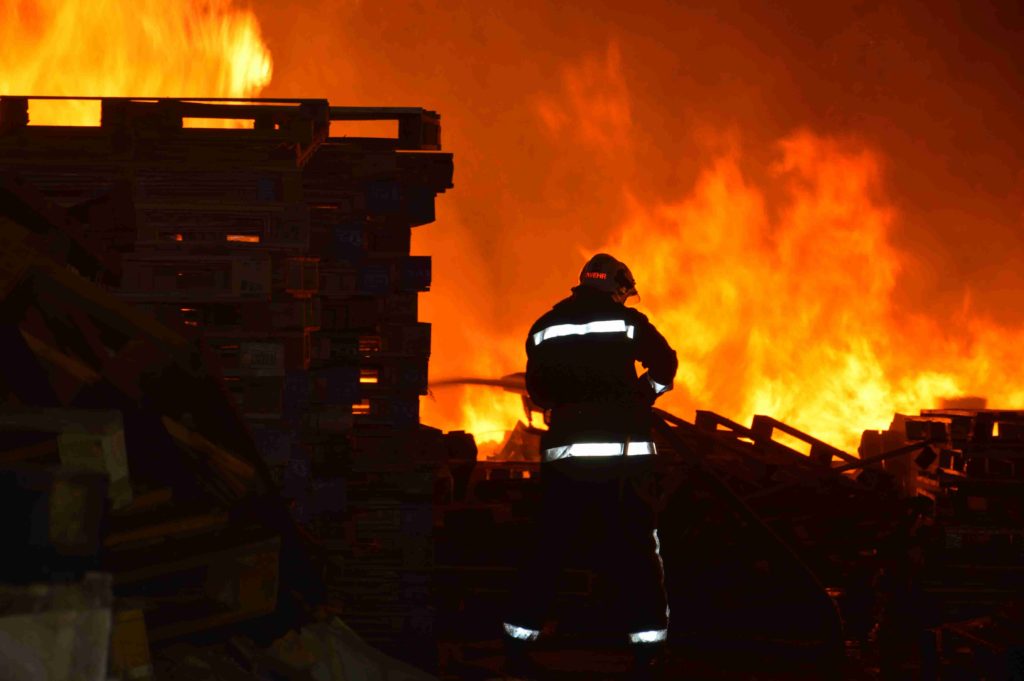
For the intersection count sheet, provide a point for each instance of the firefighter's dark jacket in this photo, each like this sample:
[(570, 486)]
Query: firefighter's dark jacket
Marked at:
[(589, 381)]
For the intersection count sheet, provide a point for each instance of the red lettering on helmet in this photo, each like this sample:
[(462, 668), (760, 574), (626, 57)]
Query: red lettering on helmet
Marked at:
[(596, 275)]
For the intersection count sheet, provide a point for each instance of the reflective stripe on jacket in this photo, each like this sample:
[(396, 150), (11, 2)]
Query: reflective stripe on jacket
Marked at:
[(596, 449)]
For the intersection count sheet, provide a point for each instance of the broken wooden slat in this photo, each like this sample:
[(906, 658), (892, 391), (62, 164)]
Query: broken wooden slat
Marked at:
[(167, 529), (238, 473), (76, 368)]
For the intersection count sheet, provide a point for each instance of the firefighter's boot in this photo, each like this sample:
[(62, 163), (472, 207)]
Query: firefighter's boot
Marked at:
[(518, 663), (646, 659)]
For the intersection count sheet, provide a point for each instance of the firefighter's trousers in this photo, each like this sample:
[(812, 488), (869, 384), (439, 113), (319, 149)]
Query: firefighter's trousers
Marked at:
[(597, 500)]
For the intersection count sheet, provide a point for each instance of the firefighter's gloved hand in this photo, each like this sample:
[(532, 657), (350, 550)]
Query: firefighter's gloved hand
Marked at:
[(646, 390)]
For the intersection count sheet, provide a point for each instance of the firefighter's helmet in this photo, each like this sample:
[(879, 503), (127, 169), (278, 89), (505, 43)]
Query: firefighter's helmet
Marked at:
[(605, 273)]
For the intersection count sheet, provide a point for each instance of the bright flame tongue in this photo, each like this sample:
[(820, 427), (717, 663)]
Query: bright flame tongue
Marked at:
[(779, 299), (489, 414), (778, 308), (150, 48)]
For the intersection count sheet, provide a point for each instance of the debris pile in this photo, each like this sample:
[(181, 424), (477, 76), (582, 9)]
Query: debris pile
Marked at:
[(965, 579), (222, 321)]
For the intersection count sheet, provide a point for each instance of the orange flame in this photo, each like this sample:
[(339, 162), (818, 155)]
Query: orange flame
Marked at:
[(779, 299), (786, 307), (782, 307), (776, 283), (143, 48)]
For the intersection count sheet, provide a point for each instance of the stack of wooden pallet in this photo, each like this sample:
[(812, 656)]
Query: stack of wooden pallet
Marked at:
[(286, 253), (369, 367), (974, 477)]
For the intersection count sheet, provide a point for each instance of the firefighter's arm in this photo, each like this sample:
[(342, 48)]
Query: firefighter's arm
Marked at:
[(658, 357), (536, 385)]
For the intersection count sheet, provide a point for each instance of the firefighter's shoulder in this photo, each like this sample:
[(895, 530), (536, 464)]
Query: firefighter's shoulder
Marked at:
[(638, 317), (544, 320)]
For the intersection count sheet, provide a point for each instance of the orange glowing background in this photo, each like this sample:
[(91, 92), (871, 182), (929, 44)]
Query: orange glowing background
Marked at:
[(823, 205)]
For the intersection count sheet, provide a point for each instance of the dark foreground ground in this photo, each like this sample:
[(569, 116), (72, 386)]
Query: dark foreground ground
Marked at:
[(587, 660)]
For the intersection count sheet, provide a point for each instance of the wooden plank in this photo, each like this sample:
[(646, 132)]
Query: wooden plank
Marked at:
[(377, 113), (239, 473), (58, 226), (147, 501), (188, 626), (182, 526), (129, 646), (300, 109), (13, 113), (763, 426), (47, 449), (47, 420), (244, 567), (95, 300), (71, 365), (120, 315), (186, 560), (149, 100), (16, 256)]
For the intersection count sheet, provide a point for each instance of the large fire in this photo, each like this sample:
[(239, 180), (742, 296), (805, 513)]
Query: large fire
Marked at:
[(110, 48), (774, 276), (779, 299), (741, 163)]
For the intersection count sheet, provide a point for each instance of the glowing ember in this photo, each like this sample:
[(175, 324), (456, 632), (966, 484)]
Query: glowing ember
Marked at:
[(109, 48)]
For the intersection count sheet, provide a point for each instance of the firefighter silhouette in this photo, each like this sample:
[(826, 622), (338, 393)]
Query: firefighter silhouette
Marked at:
[(581, 359)]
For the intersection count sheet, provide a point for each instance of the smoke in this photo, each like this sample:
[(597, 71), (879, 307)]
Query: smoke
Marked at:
[(562, 115)]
